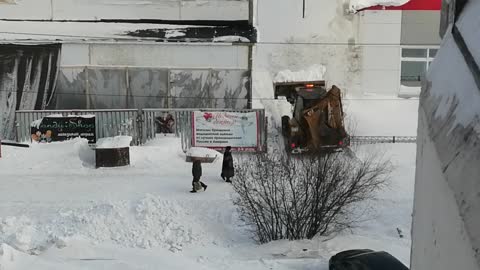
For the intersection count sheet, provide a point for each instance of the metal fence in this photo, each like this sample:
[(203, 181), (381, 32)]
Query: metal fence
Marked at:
[(382, 139), (140, 124), (108, 123)]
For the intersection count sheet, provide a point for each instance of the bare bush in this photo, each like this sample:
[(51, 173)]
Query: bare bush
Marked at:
[(285, 197)]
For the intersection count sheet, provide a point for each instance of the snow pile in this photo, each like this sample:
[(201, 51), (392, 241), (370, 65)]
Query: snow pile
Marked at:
[(357, 5), (114, 142), (201, 152), (150, 222), (8, 256), (85, 153), (22, 235), (313, 73)]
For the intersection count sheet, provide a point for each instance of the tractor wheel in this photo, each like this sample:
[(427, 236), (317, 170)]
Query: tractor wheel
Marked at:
[(285, 126)]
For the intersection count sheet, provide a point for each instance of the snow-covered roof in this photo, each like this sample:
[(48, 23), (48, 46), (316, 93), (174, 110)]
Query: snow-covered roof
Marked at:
[(103, 31), (312, 73), (357, 5)]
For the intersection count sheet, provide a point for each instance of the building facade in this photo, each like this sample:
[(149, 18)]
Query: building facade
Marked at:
[(377, 50)]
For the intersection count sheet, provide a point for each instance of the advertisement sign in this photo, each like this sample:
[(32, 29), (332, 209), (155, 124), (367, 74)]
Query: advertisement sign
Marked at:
[(58, 128), (218, 130)]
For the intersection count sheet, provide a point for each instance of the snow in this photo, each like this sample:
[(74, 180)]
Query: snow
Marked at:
[(82, 116), (312, 73), (231, 39), (381, 116), (114, 142), (357, 5), (60, 213), (76, 31), (202, 152), (174, 33), (409, 92)]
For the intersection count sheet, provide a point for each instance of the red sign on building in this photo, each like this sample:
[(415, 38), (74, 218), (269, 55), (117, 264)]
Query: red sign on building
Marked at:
[(414, 5)]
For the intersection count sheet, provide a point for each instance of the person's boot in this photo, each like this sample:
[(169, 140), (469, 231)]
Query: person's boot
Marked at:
[(193, 191), (228, 180), (204, 187)]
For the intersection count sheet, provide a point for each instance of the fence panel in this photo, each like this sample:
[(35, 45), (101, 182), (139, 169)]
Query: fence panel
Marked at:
[(108, 122), (183, 124)]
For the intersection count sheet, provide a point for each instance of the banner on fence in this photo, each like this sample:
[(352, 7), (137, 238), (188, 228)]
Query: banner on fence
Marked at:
[(60, 128), (217, 130)]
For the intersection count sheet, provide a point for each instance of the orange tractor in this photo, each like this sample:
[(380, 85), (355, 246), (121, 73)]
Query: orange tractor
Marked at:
[(317, 120)]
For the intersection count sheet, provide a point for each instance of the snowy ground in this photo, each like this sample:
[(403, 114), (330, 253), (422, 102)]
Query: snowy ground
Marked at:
[(58, 212)]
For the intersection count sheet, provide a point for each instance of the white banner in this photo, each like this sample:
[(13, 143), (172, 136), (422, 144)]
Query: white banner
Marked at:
[(220, 129)]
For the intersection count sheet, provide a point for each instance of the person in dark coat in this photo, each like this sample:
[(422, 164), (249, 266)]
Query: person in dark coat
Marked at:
[(228, 170), (197, 173)]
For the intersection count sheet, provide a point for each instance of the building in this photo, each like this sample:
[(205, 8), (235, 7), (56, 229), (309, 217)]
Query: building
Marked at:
[(111, 54), (446, 216), (373, 50), (115, 54)]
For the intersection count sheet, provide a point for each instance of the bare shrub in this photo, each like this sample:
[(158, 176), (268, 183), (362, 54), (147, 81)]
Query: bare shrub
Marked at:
[(286, 197)]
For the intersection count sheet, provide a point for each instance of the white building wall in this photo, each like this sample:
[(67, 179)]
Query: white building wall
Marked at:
[(360, 51), (125, 9), (326, 36), (155, 55), (439, 237), (380, 33), (446, 221)]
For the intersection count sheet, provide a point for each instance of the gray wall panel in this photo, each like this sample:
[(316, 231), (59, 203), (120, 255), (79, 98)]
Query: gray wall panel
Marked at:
[(420, 27)]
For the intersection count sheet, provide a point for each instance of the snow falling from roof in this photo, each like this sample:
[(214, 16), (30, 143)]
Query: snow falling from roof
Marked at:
[(357, 5)]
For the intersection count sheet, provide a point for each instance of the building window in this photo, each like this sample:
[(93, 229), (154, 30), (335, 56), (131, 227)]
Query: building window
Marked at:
[(415, 63)]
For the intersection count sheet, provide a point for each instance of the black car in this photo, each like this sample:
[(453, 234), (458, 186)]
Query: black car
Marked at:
[(365, 259)]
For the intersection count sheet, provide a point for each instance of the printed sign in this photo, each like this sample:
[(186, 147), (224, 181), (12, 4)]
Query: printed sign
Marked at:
[(57, 128), (218, 130)]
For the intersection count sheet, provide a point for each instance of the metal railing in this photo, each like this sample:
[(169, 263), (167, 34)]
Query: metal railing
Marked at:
[(108, 123), (140, 124), (382, 139)]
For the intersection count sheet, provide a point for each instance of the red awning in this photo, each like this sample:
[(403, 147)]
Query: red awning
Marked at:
[(414, 5)]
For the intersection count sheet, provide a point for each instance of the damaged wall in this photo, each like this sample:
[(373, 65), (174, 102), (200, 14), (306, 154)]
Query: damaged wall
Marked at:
[(124, 9), (136, 88), (27, 80), (117, 76)]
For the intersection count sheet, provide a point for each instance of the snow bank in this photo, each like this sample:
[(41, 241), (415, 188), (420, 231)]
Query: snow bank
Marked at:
[(147, 223), (313, 73), (114, 142), (85, 153), (357, 5)]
